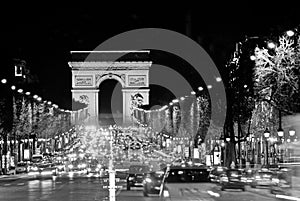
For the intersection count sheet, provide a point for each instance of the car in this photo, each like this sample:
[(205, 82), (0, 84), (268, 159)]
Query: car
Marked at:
[(233, 179), (60, 167), (282, 182), (33, 170), (136, 175), (263, 178), (152, 182), (21, 167), (250, 174), (94, 169), (185, 183), (215, 173), (47, 169)]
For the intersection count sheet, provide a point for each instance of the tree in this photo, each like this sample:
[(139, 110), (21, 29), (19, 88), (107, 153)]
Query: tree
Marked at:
[(277, 75), (240, 99)]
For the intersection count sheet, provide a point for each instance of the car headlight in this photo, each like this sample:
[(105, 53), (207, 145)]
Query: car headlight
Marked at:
[(130, 178), (148, 180), (225, 179), (166, 193)]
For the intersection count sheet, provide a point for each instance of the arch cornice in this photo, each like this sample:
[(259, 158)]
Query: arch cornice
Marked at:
[(107, 65)]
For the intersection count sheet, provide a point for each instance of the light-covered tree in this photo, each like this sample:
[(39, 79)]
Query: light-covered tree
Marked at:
[(277, 74)]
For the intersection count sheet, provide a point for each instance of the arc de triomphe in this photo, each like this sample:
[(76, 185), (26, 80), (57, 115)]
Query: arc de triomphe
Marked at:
[(129, 68)]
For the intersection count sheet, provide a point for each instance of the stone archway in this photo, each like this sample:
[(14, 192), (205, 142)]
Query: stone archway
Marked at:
[(131, 70)]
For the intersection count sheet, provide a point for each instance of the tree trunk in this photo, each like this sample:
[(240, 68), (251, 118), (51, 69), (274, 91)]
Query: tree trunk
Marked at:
[(230, 147)]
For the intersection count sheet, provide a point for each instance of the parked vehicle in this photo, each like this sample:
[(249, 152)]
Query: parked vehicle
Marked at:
[(233, 179), (152, 183)]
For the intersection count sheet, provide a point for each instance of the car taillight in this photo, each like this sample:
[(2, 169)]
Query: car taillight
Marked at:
[(244, 179)]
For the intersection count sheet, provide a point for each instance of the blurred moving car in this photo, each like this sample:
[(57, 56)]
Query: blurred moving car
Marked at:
[(152, 183), (33, 170), (216, 172), (21, 167), (60, 167), (250, 174), (93, 169), (136, 174), (43, 169), (47, 169), (185, 183), (263, 178), (282, 182), (233, 179)]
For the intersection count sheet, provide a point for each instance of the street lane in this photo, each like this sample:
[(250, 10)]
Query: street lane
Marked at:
[(83, 188), (59, 188)]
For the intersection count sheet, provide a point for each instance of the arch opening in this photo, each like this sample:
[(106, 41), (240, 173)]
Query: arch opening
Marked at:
[(110, 101)]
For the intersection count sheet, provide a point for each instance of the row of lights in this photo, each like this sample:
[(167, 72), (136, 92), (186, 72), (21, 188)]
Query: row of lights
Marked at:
[(36, 97), (272, 45)]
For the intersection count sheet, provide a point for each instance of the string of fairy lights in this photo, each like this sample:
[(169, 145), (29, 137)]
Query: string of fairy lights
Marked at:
[(193, 94)]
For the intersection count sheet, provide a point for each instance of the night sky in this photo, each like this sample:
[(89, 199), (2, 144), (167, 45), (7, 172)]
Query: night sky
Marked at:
[(45, 36)]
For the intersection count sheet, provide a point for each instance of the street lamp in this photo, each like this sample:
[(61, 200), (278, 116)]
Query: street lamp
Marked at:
[(267, 135), (292, 132)]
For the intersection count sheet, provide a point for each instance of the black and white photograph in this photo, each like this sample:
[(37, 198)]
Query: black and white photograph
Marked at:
[(150, 102)]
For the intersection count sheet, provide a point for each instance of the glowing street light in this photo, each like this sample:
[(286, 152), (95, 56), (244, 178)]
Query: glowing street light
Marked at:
[(292, 132), (253, 58), (4, 81), (13, 87), (271, 45), (20, 90), (209, 86), (290, 33), (280, 132), (27, 93), (218, 79), (200, 88)]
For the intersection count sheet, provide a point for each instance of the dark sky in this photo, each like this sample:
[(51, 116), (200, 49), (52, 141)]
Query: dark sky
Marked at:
[(44, 36)]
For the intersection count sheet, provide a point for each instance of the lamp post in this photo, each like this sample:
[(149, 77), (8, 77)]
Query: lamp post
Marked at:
[(226, 145), (267, 135), (112, 173), (223, 152)]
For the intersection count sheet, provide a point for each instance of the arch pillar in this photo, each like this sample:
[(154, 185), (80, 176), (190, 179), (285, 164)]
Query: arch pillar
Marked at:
[(89, 97), (128, 94)]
